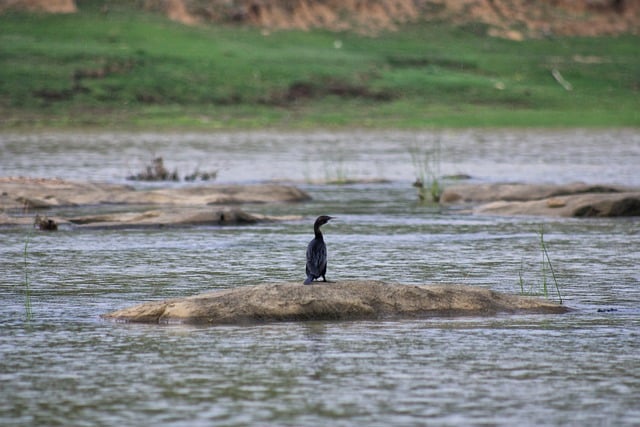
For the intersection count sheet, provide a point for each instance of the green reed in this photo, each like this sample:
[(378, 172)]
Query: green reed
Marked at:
[(27, 287), (546, 267), (545, 256), (336, 172), (426, 164)]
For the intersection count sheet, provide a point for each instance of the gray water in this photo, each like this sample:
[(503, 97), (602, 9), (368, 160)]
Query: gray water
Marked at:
[(67, 367)]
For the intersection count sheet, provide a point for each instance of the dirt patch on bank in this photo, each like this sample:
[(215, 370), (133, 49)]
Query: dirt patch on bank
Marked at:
[(513, 19), (44, 6)]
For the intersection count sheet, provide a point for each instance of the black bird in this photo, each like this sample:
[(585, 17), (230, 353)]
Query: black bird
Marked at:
[(317, 253)]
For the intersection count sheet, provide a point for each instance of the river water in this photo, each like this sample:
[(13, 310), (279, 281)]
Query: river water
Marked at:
[(67, 367)]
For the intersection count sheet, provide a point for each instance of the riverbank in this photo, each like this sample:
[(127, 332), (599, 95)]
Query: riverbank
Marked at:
[(136, 70)]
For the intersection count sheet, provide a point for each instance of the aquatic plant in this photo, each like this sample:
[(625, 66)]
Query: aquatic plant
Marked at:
[(426, 164), (201, 176), (545, 256), (546, 268), (337, 173), (156, 171), (27, 288)]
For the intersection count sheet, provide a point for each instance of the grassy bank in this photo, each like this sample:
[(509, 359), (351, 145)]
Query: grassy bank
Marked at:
[(130, 69)]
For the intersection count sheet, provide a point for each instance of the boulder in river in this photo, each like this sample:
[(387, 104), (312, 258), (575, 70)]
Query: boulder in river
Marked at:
[(167, 206), (582, 205), (570, 200), (40, 193), (347, 300), (175, 217)]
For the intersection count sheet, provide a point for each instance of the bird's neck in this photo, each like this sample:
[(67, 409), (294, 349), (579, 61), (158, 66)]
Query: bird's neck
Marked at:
[(318, 233)]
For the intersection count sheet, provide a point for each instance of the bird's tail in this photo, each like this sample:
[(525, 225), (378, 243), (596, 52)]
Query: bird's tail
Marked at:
[(308, 280)]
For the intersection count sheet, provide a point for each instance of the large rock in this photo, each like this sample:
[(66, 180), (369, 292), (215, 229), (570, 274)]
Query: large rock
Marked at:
[(585, 205), (176, 206), (176, 217), (348, 300), (39, 193), (156, 218), (482, 193), (570, 200)]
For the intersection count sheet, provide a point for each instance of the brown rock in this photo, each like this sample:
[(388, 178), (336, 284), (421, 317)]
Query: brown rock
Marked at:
[(576, 199), (476, 193), (581, 205), (189, 205), (556, 203), (348, 300), (173, 218), (36, 193)]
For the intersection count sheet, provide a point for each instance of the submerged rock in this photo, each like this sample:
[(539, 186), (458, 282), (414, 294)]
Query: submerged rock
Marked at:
[(570, 200), (348, 300)]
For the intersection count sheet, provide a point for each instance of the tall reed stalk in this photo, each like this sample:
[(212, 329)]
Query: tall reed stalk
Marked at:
[(546, 265), (27, 288), (545, 255)]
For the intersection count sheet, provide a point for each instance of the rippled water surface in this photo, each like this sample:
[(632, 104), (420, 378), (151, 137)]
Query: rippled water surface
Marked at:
[(68, 367)]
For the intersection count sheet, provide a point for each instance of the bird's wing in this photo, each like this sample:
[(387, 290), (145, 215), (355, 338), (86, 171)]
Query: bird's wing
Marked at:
[(316, 257)]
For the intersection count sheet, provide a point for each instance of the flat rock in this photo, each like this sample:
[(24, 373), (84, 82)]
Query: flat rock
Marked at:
[(175, 217), (570, 200), (584, 205), (346, 300), (174, 206), (40, 193), (482, 193)]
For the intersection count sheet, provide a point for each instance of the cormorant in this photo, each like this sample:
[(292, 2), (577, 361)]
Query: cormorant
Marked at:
[(317, 253)]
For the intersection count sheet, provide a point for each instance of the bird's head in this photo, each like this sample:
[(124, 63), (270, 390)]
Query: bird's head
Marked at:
[(323, 219)]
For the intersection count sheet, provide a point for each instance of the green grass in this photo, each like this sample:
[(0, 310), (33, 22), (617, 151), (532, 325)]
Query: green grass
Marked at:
[(130, 69)]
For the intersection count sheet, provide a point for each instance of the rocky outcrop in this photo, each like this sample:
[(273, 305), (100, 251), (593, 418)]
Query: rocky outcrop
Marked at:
[(156, 218), (348, 300), (571, 200), (585, 205), (174, 206), (39, 193)]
